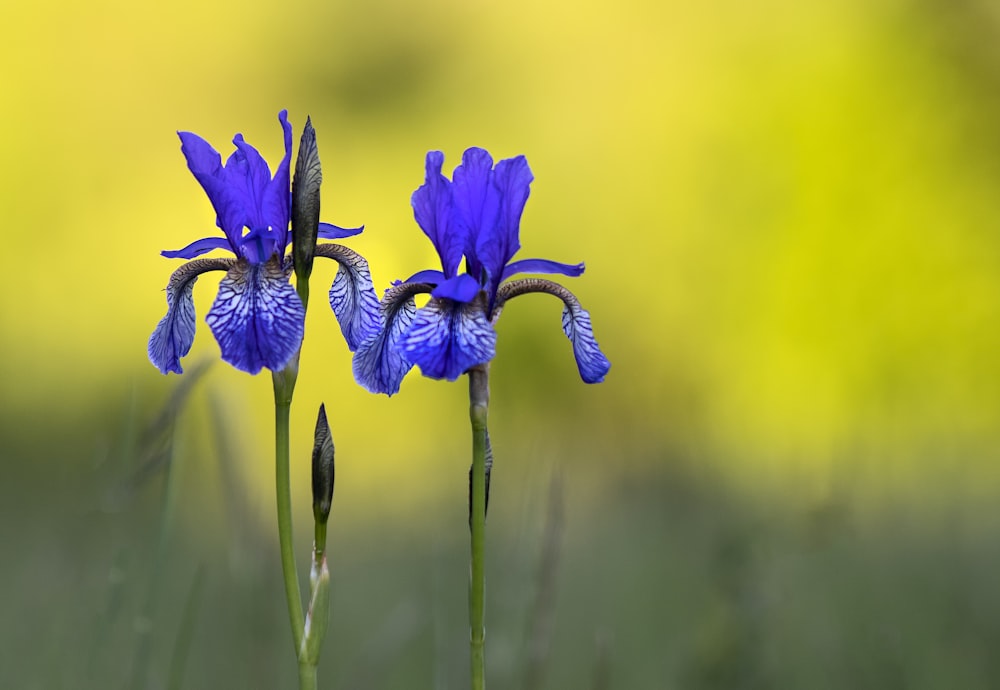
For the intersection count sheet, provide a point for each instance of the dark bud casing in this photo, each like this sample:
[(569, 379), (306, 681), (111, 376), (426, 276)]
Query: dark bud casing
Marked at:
[(305, 203), (322, 468)]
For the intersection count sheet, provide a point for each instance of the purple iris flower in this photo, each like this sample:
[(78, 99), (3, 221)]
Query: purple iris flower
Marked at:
[(476, 215), (257, 318)]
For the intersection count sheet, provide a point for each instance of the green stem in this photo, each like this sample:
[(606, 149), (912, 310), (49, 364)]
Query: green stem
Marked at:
[(307, 676), (282, 482), (479, 397)]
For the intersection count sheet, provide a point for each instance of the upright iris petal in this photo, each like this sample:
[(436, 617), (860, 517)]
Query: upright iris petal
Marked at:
[(477, 204), (512, 180), (432, 204)]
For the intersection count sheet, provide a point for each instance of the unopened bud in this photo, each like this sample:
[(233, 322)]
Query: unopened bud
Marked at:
[(322, 468), (305, 203)]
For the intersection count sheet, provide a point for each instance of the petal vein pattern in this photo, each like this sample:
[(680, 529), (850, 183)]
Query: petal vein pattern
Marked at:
[(379, 366), (174, 334), (446, 338), (257, 317), (352, 295), (590, 361)]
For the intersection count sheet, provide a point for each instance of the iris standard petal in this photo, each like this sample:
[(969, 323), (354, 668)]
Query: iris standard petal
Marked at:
[(446, 338), (328, 231), (174, 335), (247, 170), (590, 361), (541, 266), (352, 295), (379, 365), (277, 198), (205, 164), (462, 288), (197, 248), (432, 211), (257, 317), (512, 179), (476, 203)]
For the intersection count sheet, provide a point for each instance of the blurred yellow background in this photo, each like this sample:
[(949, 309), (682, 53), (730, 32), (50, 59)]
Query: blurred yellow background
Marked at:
[(788, 211)]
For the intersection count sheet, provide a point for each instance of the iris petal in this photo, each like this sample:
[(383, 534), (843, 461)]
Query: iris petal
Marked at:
[(446, 338), (328, 231), (432, 211), (257, 317), (461, 288), (541, 266), (590, 361), (512, 179), (248, 172), (429, 276), (352, 295), (197, 248), (477, 204), (276, 199), (174, 335), (379, 365), (205, 164)]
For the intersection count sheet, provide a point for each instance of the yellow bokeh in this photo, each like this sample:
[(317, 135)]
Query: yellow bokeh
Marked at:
[(788, 214)]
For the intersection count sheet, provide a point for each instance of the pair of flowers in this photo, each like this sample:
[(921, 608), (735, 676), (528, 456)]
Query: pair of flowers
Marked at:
[(258, 319)]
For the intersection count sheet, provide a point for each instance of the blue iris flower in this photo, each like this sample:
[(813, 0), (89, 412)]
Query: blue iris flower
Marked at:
[(257, 317), (476, 215)]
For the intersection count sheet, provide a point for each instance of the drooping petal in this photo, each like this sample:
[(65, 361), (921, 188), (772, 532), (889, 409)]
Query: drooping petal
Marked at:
[(174, 335), (461, 288), (257, 317), (432, 211), (197, 248), (446, 338), (352, 295), (512, 180), (477, 204), (328, 231), (379, 364), (541, 266), (590, 361)]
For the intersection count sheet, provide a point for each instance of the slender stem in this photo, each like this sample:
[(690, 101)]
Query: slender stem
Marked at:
[(307, 676), (479, 395), (282, 482)]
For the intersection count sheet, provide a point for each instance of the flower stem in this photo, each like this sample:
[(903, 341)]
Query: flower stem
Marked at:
[(282, 482), (479, 396)]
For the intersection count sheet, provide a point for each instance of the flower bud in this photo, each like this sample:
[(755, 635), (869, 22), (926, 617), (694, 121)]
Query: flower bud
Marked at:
[(322, 468), (305, 203)]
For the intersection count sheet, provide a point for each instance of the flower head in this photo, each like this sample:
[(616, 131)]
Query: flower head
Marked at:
[(257, 317), (476, 216)]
